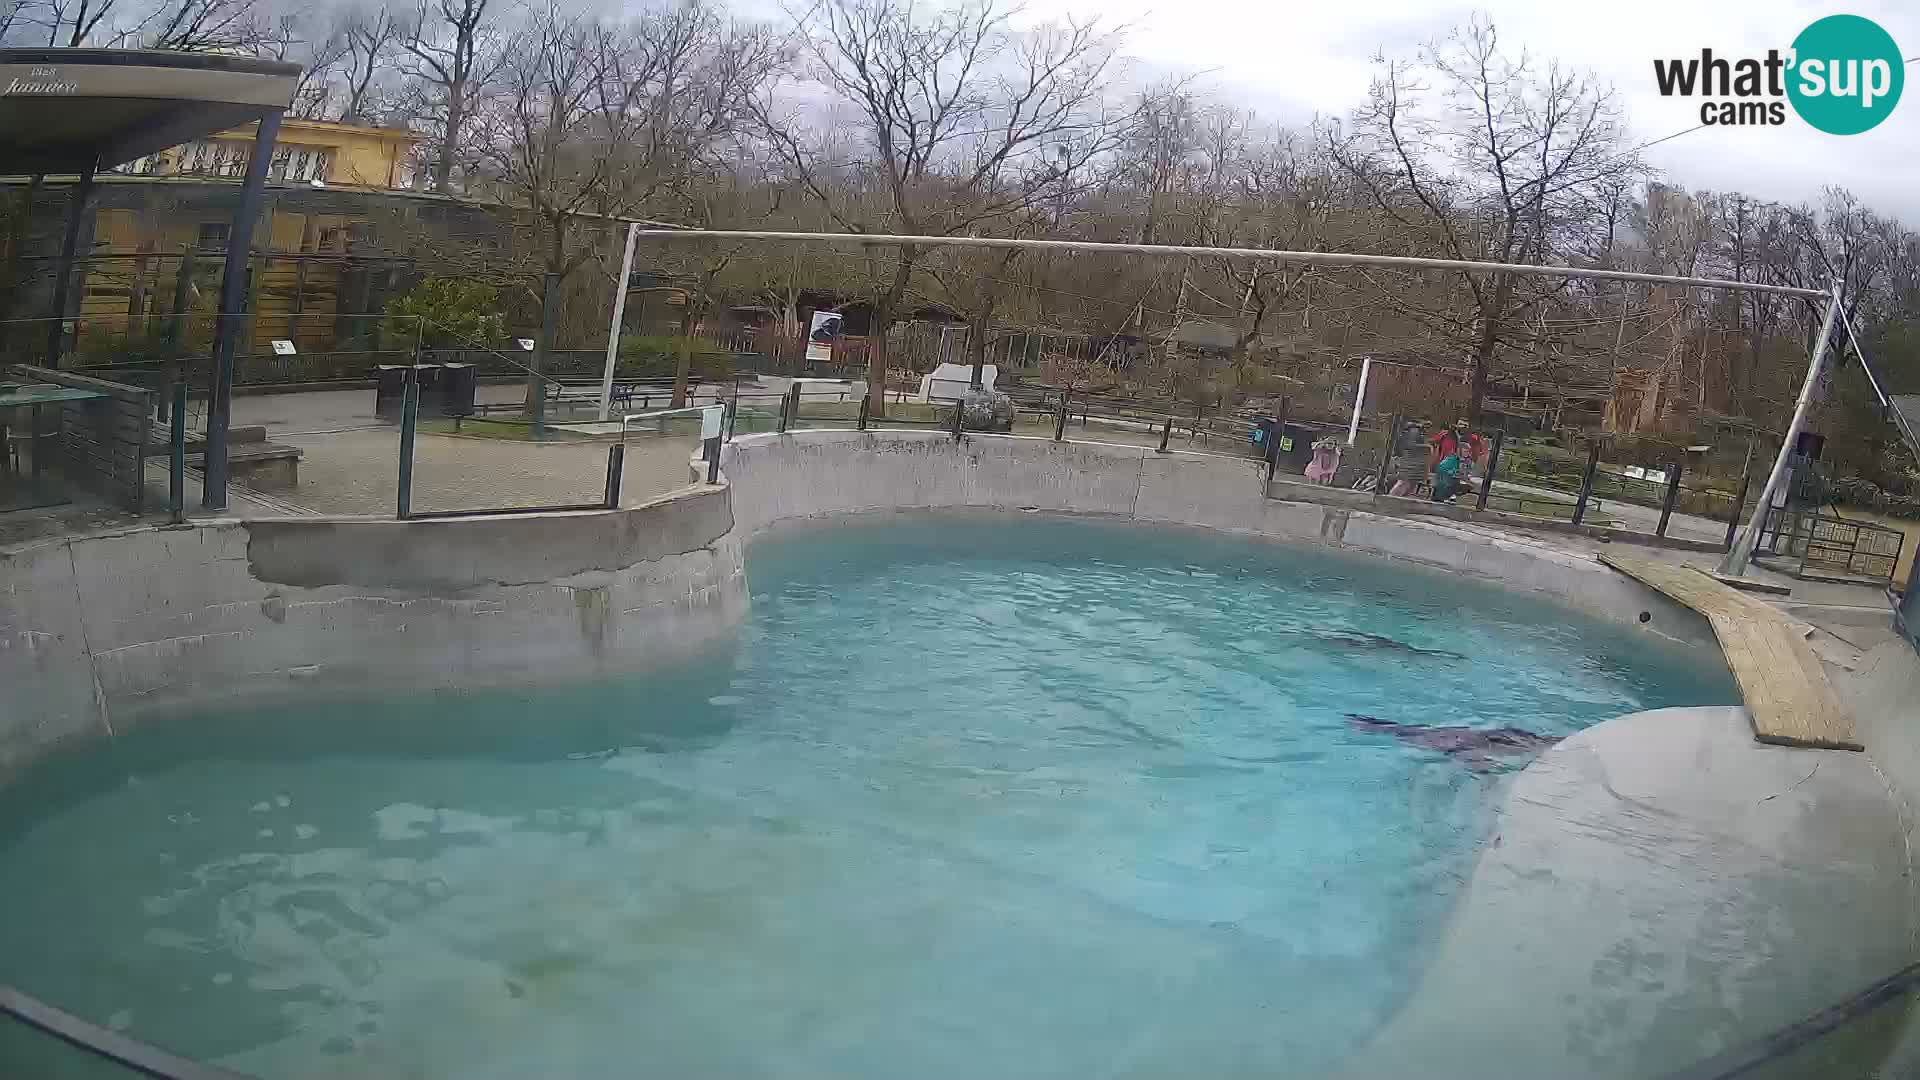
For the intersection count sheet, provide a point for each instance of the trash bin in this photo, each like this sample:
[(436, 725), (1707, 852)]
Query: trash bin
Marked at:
[(1294, 451), (431, 378), (457, 389), (389, 387), (1266, 431)]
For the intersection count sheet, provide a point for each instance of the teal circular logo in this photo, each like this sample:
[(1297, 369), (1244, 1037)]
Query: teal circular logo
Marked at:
[(1846, 74)]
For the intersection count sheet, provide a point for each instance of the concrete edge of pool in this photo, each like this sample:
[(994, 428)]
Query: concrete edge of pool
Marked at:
[(99, 632)]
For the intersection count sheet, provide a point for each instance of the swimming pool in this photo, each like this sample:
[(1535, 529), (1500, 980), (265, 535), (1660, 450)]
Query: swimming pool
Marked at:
[(969, 796)]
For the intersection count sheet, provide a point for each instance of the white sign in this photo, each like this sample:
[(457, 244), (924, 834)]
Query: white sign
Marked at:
[(949, 381), (526, 343), (283, 347), (710, 422), (826, 327)]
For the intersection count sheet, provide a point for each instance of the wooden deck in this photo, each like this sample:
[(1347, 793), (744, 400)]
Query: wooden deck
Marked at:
[(1786, 690)]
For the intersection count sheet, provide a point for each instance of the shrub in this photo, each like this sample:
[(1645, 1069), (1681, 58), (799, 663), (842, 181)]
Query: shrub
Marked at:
[(653, 356), (446, 313)]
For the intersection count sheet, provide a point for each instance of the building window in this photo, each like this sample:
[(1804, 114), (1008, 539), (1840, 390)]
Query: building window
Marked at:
[(300, 163), (213, 236), (214, 159)]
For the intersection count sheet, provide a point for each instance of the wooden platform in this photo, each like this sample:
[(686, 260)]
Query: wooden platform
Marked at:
[(1786, 690)]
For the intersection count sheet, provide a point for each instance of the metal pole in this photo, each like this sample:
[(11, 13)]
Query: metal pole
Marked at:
[(865, 404), (536, 383), (409, 416), (712, 450), (1740, 553), (1740, 500), (619, 314), (228, 319), (1305, 258), (789, 407), (1493, 462), (959, 417), (63, 275), (1359, 399), (616, 464), (177, 453), (1386, 458), (1673, 492), (1586, 481), (1060, 421), (1166, 431)]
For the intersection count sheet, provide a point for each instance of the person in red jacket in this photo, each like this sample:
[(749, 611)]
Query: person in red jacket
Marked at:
[(1460, 445)]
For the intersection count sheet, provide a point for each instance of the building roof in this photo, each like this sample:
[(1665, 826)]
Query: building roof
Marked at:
[(115, 105)]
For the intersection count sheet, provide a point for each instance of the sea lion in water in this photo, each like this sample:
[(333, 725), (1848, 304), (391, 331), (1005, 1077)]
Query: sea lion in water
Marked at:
[(1362, 640), (1479, 749)]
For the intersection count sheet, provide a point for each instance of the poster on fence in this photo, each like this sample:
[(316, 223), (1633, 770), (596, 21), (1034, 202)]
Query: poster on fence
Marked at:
[(826, 327)]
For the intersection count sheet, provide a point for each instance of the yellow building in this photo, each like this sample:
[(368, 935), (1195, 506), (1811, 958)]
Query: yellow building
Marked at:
[(153, 210), (307, 150)]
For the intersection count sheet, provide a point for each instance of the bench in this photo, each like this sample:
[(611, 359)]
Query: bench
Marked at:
[(569, 395)]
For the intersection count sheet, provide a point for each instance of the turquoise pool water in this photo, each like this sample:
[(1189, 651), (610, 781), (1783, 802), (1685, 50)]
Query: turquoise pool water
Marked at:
[(1012, 797)]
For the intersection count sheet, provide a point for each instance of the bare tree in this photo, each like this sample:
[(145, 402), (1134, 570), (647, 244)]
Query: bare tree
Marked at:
[(370, 39), (1502, 168), (963, 122), (318, 48), (452, 51)]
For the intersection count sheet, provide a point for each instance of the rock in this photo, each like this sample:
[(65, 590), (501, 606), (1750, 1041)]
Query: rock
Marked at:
[(986, 410)]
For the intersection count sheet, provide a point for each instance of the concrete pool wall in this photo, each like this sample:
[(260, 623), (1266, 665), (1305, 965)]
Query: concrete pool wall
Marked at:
[(778, 479), (100, 631)]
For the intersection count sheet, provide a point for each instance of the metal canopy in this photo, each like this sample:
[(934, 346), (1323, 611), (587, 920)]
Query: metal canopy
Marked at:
[(71, 110), (79, 111)]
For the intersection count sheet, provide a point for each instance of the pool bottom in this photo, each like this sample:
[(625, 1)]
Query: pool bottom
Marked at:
[(1051, 800)]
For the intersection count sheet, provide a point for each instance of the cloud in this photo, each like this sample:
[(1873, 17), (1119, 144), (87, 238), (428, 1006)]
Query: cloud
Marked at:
[(1293, 61)]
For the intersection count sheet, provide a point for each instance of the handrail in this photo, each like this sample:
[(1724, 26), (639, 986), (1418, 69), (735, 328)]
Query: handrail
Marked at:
[(1743, 1060), (106, 1043)]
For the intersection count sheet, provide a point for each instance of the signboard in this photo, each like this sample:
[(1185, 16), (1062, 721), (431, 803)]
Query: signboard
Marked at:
[(283, 347), (826, 327), (710, 422)]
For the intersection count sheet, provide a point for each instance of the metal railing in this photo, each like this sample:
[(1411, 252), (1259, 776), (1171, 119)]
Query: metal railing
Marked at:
[(106, 1044), (1830, 546)]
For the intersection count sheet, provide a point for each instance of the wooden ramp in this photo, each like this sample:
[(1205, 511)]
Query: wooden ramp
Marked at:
[(1786, 690)]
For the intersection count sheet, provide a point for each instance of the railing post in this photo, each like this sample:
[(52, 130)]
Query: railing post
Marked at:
[(712, 448), (732, 407), (866, 403), (1273, 458), (1060, 421), (959, 417), (409, 416), (616, 463), (789, 407), (1673, 492), (1386, 458), (177, 452), (1493, 462), (1166, 430), (1586, 482)]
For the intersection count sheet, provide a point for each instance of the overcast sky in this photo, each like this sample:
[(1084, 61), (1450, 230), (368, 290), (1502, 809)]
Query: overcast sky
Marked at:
[(1291, 61)]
